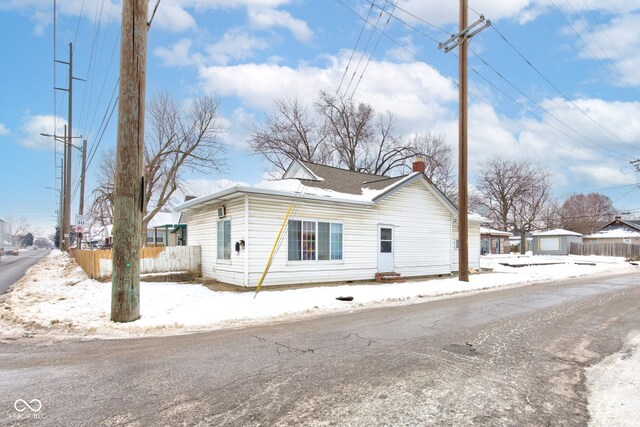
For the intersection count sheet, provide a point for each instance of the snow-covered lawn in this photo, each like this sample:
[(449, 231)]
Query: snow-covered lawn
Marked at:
[(56, 298), (614, 387)]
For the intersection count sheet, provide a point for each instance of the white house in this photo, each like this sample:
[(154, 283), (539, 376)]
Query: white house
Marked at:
[(336, 225)]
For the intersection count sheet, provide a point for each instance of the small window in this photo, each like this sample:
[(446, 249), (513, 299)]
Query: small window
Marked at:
[(456, 244), (386, 240), (224, 239)]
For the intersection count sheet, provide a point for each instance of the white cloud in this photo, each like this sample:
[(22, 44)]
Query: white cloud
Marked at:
[(415, 92), (33, 126), (4, 130), (178, 55), (265, 18), (616, 42), (173, 18), (236, 44), (403, 54)]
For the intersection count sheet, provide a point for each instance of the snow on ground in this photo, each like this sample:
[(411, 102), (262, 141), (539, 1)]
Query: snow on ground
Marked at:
[(56, 299), (614, 387)]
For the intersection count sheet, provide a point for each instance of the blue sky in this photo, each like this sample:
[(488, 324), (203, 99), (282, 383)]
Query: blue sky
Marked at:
[(573, 107)]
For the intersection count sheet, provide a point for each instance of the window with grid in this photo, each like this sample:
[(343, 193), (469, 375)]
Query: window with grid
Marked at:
[(314, 241)]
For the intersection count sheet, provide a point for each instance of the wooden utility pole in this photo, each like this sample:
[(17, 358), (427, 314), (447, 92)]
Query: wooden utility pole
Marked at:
[(463, 201), (125, 294), (65, 234), (83, 174), (462, 40)]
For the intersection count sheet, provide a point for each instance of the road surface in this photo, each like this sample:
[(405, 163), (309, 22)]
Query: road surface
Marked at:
[(512, 357), (12, 267)]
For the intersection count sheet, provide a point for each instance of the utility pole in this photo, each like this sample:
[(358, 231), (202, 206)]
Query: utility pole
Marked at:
[(125, 291), (83, 173), (65, 231), (636, 163), (462, 40)]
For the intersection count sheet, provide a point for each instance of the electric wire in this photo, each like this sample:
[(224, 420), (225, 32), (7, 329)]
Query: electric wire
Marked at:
[(556, 88), (366, 46), (374, 48), (346, 70), (492, 84)]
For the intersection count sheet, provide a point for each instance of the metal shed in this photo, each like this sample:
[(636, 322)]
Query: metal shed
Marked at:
[(554, 242)]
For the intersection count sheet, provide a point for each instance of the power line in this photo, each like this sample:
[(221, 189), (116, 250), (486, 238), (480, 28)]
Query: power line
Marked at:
[(366, 46), (499, 89), (556, 88), (623, 157), (374, 48), (586, 45), (364, 24), (614, 45)]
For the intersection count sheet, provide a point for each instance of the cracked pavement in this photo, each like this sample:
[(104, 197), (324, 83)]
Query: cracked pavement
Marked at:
[(511, 357)]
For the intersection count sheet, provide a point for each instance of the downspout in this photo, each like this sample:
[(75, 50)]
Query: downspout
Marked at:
[(246, 240)]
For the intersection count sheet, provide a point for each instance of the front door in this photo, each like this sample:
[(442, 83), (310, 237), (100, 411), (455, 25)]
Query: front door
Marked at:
[(385, 248)]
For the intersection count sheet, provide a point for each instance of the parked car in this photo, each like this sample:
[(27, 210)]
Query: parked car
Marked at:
[(10, 250)]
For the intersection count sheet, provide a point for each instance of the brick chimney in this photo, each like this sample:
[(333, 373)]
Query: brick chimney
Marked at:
[(419, 166)]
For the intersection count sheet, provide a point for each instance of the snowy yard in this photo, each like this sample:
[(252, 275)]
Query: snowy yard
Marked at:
[(56, 300)]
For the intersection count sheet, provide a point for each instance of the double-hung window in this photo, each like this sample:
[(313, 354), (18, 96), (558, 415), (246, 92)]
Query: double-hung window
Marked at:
[(224, 239), (314, 241)]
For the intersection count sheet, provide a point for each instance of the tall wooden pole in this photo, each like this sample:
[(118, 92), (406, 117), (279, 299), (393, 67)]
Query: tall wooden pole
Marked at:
[(64, 231), (125, 294), (463, 204), (83, 174)]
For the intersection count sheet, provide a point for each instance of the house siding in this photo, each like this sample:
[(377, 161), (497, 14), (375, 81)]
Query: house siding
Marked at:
[(473, 242), (203, 232), (422, 238)]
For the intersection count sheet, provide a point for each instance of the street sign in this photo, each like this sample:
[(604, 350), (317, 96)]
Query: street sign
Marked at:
[(81, 224)]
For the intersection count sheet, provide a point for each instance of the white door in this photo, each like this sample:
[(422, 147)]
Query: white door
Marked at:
[(385, 248)]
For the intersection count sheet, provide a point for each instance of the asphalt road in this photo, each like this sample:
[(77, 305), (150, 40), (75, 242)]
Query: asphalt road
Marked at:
[(512, 357), (12, 267)]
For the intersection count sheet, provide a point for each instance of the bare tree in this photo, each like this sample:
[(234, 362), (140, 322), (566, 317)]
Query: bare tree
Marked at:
[(516, 194), (101, 210), (18, 227), (584, 213), (437, 155), (178, 140), (289, 133)]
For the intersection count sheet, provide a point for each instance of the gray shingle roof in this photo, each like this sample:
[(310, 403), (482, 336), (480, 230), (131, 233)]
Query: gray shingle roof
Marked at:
[(346, 181)]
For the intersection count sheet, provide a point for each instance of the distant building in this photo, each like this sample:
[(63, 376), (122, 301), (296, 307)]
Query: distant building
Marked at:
[(617, 231), (554, 242), (494, 241)]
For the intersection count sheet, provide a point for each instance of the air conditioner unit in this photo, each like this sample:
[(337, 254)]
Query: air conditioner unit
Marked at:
[(222, 212)]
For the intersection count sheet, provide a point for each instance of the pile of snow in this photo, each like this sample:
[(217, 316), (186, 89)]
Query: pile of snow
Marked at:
[(57, 299), (614, 387)]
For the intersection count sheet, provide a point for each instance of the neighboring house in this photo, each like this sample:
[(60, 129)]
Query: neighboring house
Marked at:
[(342, 226), (617, 231), (494, 241), (162, 230), (165, 229), (554, 242)]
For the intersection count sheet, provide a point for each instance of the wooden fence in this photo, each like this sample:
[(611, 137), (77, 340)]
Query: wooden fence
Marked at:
[(625, 250), (161, 259)]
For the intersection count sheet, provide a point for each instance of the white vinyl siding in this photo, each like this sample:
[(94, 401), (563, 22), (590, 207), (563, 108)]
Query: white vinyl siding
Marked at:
[(422, 240)]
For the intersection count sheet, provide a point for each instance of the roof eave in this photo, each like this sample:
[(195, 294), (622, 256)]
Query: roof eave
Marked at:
[(251, 190)]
